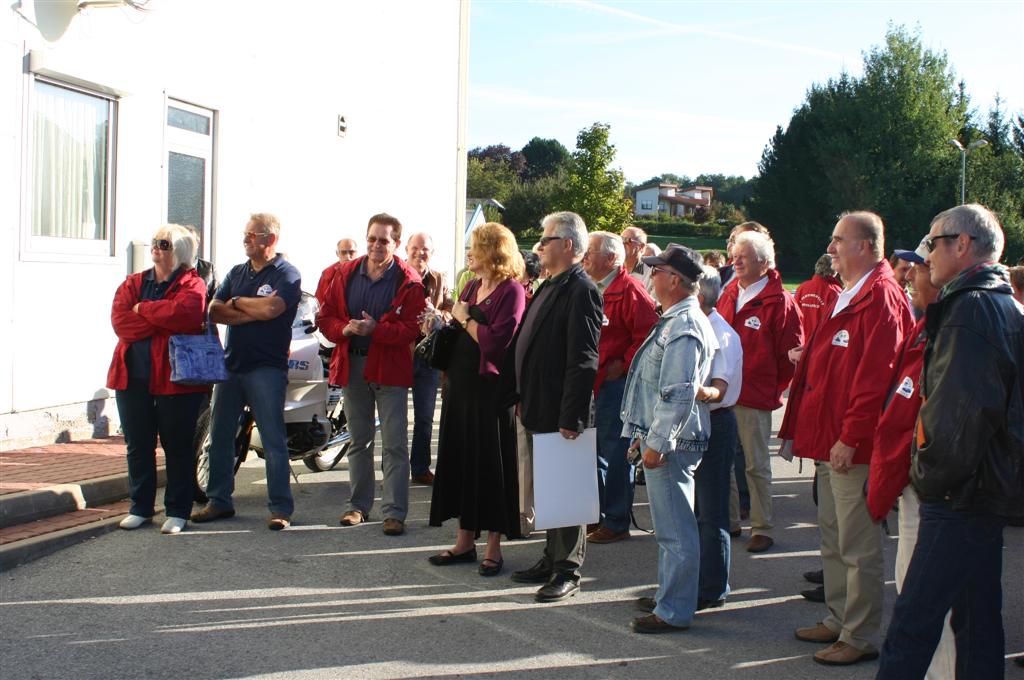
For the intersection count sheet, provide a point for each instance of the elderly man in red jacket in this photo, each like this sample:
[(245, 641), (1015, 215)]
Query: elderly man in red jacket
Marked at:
[(841, 383), (814, 295), (628, 318), (767, 319), (371, 312)]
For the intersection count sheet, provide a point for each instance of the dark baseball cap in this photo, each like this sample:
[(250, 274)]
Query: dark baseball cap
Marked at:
[(686, 261)]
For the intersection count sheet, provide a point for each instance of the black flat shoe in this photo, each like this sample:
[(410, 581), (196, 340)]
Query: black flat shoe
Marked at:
[(538, 573), (709, 604), (443, 559), (492, 569), (559, 587)]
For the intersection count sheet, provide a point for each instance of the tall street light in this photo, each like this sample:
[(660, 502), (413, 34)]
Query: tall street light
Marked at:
[(964, 150)]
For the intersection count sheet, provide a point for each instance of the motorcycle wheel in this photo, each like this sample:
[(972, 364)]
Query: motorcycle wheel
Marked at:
[(325, 460), (201, 445)]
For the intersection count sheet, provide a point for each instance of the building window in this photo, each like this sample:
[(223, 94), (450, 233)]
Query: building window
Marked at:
[(647, 205), (188, 169), (73, 133)]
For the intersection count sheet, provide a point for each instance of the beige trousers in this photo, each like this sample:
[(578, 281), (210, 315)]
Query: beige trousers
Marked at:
[(524, 458), (755, 431), (851, 554)]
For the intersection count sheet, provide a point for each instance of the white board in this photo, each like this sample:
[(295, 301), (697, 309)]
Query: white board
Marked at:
[(565, 480)]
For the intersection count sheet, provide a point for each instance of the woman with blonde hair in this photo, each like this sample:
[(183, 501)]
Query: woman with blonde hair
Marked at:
[(149, 307), (476, 476)]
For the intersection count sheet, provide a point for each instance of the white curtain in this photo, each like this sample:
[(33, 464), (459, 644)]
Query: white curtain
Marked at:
[(69, 163)]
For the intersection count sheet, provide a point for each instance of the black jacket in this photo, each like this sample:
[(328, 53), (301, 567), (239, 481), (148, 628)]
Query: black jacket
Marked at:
[(560, 363), (209, 276), (970, 446)]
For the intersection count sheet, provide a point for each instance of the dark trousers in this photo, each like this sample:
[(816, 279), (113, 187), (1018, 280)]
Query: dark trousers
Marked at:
[(614, 473), (713, 489), (565, 549), (173, 418), (957, 563), (424, 399)]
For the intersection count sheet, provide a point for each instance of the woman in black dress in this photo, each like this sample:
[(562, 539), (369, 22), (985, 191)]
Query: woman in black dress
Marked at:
[(476, 452)]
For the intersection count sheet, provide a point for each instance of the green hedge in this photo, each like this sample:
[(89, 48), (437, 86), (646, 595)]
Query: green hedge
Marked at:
[(681, 227)]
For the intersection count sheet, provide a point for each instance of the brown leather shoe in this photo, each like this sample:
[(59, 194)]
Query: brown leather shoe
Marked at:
[(818, 633), (352, 518), (394, 527), (210, 513), (426, 479), (759, 543), (842, 654), (606, 535), (278, 521), (591, 528)]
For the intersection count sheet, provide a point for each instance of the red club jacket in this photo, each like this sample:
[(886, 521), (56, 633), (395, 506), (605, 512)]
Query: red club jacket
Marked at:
[(389, 360), (890, 465), (326, 279), (843, 377), (769, 326), (628, 318), (813, 297), (180, 311)]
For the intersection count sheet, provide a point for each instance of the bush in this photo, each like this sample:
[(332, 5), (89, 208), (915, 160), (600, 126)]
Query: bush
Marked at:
[(675, 226)]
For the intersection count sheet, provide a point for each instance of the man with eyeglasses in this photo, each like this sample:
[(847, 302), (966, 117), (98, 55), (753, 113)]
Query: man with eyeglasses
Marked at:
[(257, 301), (842, 380), (345, 250), (371, 312), (634, 240), (967, 453)]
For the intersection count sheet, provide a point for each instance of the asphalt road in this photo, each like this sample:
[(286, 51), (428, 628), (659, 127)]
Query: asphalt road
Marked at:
[(232, 599)]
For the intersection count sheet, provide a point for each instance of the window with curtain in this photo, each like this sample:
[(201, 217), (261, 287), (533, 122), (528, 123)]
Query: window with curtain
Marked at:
[(71, 178)]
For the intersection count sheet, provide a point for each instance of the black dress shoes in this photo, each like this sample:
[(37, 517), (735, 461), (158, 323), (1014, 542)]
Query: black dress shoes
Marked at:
[(814, 594), (443, 559), (559, 587), (815, 576), (538, 573), (709, 604)]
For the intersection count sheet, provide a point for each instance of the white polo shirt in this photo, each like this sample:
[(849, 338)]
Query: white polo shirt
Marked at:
[(727, 364)]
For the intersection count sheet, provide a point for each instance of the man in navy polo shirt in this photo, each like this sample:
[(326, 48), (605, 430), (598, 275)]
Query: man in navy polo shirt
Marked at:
[(257, 301)]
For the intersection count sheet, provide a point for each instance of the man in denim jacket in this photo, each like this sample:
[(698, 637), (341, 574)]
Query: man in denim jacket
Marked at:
[(670, 428)]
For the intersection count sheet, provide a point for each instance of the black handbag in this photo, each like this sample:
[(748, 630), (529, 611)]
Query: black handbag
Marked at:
[(436, 349)]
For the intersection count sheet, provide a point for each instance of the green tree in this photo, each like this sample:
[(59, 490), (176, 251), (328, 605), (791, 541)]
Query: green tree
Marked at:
[(530, 201), (489, 178), (544, 158), (592, 188)]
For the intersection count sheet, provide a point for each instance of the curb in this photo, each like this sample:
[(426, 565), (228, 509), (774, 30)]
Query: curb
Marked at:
[(22, 552)]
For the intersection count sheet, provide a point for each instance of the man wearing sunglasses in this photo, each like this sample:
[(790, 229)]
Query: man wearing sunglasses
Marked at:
[(967, 454), (257, 301), (634, 240)]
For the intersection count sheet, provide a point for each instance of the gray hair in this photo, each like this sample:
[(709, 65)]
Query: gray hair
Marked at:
[(611, 244), (710, 286), (979, 223), (764, 247), (871, 229), (570, 226), (823, 267), (267, 222), (184, 244)]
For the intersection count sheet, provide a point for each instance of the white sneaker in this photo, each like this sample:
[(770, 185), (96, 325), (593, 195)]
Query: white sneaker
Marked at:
[(173, 525), (134, 522)]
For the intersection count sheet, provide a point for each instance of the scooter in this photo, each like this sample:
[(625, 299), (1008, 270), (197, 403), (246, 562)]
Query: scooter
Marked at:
[(314, 418)]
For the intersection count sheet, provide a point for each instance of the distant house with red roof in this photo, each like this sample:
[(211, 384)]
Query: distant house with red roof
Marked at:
[(670, 200)]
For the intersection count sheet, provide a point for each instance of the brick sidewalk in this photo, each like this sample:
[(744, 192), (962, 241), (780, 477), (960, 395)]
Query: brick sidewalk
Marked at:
[(42, 466)]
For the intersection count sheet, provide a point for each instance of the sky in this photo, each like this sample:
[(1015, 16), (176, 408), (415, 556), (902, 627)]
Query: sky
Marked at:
[(699, 87)]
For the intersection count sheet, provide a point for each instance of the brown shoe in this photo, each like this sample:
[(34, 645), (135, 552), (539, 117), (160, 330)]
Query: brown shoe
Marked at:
[(818, 633), (759, 543), (394, 527), (210, 513), (426, 479), (591, 528), (278, 521), (842, 654), (352, 518), (606, 535)]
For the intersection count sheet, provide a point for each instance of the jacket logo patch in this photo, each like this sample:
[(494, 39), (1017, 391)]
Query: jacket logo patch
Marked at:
[(264, 290), (399, 310), (841, 339), (752, 322), (604, 320), (906, 388)]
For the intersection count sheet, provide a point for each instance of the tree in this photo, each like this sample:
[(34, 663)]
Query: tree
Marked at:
[(544, 158), (1018, 134), (500, 153), (530, 201), (594, 189), (489, 178)]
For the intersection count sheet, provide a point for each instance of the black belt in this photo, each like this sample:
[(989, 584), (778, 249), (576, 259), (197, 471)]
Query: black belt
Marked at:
[(358, 352)]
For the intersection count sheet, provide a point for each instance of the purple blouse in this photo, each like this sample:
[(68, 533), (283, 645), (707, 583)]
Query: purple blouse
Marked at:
[(503, 309)]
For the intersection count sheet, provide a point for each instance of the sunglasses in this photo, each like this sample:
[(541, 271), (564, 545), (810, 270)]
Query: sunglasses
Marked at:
[(370, 240), (548, 239), (662, 270), (161, 243), (345, 252), (929, 241), (250, 235)]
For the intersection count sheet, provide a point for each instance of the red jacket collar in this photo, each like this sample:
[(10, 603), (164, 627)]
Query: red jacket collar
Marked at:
[(877, 277)]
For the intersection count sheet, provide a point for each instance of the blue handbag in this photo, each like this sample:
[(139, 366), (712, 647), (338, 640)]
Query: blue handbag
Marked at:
[(197, 359)]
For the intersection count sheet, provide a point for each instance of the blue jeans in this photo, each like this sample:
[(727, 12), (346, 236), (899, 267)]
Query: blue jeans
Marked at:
[(713, 488), (958, 563), (262, 389), (670, 490), (614, 473), (173, 418), (424, 399)]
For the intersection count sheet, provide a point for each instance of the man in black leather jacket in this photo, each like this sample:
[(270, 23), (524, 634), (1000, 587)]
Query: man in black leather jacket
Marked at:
[(968, 458), (203, 267)]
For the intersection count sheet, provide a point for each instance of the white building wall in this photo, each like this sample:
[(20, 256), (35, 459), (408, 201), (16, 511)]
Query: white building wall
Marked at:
[(278, 75), (643, 196)]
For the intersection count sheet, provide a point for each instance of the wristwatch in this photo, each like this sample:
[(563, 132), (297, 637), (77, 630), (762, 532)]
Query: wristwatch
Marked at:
[(465, 324), (234, 302)]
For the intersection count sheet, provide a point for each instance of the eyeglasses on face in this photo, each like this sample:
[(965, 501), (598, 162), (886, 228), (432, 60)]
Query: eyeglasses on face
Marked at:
[(929, 241), (345, 252), (548, 239), (370, 240), (662, 270), (635, 241), (161, 243), (250, 235)]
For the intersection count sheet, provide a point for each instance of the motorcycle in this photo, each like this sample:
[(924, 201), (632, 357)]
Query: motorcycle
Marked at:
[(314, 419)]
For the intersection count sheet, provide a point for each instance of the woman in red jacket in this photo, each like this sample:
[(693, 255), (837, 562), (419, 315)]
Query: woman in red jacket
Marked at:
[(148, 308)]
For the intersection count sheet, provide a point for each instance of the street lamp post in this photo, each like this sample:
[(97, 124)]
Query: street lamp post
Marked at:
[(964, 150)]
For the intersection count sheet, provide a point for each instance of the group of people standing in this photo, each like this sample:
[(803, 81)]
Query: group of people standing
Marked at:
[(678, 365)]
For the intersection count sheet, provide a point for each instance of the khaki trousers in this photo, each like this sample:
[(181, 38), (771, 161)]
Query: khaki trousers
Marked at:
[(755, 431), (851, 554), (524, 460)]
